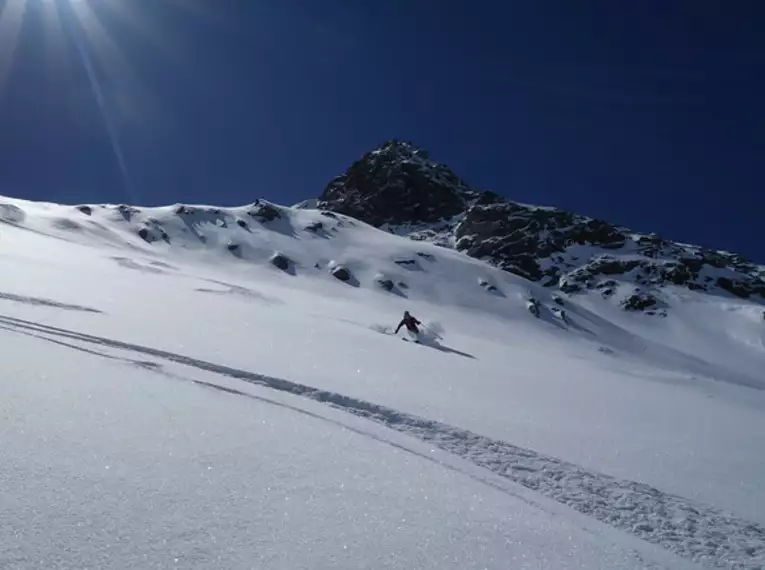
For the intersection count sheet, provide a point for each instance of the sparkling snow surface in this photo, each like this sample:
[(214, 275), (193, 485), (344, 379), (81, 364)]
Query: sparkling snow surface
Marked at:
[(185, 405)]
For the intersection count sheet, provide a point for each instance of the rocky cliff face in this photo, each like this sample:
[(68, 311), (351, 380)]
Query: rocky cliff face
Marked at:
[(397, 184), (398, 188)]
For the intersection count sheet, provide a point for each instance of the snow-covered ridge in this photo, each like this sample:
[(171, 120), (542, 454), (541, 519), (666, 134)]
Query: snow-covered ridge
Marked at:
[(399, 189), (336, 250), (298, 242)]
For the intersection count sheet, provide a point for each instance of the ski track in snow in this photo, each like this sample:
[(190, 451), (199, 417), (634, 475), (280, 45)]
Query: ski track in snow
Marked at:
[(42, 302), (689, 529)]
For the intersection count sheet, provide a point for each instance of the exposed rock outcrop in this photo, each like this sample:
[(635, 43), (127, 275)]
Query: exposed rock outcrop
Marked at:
[(399, 188)]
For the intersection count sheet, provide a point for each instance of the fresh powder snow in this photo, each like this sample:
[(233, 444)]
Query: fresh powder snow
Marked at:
[(203, 387)]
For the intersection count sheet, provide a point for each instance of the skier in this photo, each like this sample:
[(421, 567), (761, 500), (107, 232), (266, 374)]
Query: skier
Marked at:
[(411, 325)]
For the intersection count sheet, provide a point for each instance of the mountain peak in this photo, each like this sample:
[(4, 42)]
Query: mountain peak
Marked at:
[(399, 187), (403, 149), (397, 183)]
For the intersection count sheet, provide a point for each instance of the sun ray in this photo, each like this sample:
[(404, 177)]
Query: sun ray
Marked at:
[(77, 35), (88, 33), (121, 11), (11, 19), (111, 62), (57, 60)]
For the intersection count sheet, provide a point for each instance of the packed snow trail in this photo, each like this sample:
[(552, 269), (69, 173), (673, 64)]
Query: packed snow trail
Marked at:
[(695, 531)]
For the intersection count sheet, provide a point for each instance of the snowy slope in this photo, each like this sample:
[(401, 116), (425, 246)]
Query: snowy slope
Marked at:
[(110, 342)]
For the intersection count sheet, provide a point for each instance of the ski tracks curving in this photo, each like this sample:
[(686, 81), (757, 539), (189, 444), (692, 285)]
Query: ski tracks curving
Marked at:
[(692, 530)]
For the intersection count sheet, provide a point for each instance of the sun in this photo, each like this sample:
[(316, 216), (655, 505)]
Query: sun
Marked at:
[(117, 88), (63, 20)]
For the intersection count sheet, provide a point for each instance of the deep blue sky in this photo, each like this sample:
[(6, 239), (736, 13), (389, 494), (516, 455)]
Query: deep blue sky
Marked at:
[(650, 114)]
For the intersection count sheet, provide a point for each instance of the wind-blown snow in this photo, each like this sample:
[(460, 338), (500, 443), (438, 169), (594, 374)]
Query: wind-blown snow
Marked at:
[(169, 400)]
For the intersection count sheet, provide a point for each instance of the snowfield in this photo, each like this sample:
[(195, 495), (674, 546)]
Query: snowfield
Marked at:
[(171, 399)]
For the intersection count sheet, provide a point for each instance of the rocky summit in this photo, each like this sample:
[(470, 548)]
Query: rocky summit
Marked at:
[(398, 188), (397, 184)]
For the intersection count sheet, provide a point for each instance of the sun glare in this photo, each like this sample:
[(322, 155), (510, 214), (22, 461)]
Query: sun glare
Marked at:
[(86, 21), (11, 18), (119, 93)]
